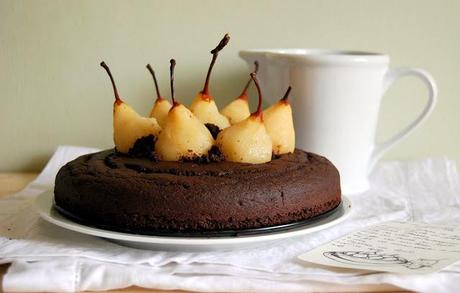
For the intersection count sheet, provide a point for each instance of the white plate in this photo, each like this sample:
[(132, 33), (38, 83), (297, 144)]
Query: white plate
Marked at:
[(44, 204)]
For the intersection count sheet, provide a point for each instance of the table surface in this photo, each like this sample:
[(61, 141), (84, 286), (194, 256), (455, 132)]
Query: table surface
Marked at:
[(13, 182)]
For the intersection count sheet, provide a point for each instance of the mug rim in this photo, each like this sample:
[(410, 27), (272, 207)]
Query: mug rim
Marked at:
[(314, 55)]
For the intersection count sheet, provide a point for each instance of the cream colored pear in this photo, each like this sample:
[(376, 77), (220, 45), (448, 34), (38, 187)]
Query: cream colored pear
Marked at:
[(160, 111), (280, 126), (238, 109), (247, 141), (207, 112), (204, 107), (161, 106), (128, 125), (184, 135)]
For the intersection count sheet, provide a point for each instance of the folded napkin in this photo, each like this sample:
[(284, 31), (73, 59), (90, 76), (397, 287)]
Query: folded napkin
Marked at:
[(45, 257)]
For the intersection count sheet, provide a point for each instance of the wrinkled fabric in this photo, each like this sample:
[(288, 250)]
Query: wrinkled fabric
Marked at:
[(48, 258)]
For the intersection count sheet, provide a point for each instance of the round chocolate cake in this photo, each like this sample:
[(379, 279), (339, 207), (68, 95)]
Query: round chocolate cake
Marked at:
[(138, 195)]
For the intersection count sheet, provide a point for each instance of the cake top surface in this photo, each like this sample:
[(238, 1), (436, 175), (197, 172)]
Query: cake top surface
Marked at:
[(100, 162)]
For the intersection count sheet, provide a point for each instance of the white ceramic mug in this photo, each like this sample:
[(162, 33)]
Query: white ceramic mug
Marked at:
[(336, 99)]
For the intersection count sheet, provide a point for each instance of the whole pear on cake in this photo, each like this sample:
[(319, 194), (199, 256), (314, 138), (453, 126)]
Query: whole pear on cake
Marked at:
[(204, 107), (280, 126), (161, 106), (184, 136), (247, 141), (128, 125), (238, 109)]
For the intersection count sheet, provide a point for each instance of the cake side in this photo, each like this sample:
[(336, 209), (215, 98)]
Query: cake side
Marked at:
[(142, 196)]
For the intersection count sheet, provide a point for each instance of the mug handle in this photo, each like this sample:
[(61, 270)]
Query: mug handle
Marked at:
[(391, 76)]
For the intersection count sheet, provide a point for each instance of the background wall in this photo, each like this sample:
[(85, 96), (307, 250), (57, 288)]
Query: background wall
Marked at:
[(54, 92)]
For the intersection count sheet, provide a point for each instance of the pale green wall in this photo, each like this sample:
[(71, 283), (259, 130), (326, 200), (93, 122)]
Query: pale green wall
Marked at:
[(54, 92)]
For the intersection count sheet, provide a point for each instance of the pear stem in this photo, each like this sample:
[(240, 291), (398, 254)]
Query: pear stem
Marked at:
[(215, 53), (286, 95), (171, 78), (115, 91), (152, 72), (244, 93), (256, 67), (259, 111)]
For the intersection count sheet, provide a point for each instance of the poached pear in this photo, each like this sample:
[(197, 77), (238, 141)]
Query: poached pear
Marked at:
[(128, 125), (184, 135), (238, 109), (247, 141), (280, 126), (161, 106), (204, 107)]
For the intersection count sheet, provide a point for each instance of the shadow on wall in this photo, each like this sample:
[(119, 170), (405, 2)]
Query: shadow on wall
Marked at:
[(36, 163)]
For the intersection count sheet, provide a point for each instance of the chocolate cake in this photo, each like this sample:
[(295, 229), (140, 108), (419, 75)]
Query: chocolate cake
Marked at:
[(184, 171), (138, 195)]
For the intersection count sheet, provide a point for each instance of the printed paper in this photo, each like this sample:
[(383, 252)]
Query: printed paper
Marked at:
[(400, 247)]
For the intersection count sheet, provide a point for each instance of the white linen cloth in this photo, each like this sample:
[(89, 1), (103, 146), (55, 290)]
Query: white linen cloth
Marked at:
[(45, 257)]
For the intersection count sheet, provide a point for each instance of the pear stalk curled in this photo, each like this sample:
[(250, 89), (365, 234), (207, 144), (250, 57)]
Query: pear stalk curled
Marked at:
[(161, 106), (128, 125), (280, 126), (238, 109), (247, 141), (184, 136), (204, 107)]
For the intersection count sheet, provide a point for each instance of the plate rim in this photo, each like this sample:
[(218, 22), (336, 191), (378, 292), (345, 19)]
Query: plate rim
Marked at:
[(44, 206)]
